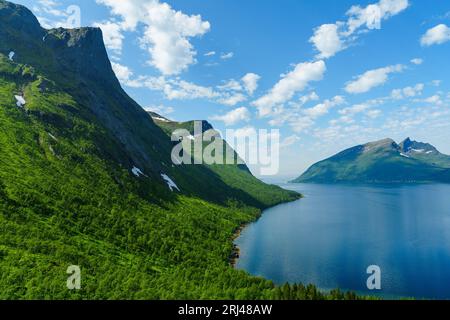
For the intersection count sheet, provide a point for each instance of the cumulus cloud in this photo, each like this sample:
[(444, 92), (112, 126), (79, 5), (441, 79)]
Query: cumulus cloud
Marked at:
[(372, 15), (291, 83), (161, 110), (250, 81), (226, 56), (232, 99), (437, 35), (329, 39), (234, 116), (372, 79), (323, 108), (112, 35), (167, 32), (373, 114), (313, 96), (210, 54), (408, 92), (230, 93), (50, 15), (123, 73), (289, 141), (417, 61)]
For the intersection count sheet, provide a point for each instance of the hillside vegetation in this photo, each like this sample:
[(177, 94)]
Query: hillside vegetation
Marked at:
[(82, 183)]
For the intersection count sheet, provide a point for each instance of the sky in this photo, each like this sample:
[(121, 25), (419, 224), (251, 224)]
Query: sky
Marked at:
[(328, 74)]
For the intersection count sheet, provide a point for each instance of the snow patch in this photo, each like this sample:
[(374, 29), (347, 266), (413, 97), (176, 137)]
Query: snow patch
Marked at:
[(418, 150), (429, 152), (160, 119), (137, 172), (20, 101), (169, 182), (404, 155), (11, 55), (52, 136)]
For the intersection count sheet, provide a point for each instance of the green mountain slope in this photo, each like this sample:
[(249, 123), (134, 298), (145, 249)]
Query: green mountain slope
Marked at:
[(382, 161), (82, 182)]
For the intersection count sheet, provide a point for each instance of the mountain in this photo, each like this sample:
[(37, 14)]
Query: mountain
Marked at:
[(382, 161), (86, 178)]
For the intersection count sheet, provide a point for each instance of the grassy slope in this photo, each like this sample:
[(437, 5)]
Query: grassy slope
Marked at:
[(67, 197), (61, 204)]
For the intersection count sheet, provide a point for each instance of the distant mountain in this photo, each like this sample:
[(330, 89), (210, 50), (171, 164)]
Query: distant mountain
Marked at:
[(382, 161)]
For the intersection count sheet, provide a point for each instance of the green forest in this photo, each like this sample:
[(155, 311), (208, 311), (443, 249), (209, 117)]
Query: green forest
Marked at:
[(68, 196)]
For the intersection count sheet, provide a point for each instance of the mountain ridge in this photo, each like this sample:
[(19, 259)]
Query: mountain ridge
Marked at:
[(382, 161)]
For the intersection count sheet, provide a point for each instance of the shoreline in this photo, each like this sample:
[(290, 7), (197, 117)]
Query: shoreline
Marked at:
[(236, 251)]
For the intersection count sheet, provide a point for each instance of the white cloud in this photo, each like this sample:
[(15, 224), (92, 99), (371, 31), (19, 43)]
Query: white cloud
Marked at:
[(226, 56), (373, 114), (417, 61), (309, 97), (327, 41), (250, 81), (112, 35), (436, 83), (323, 108), (161, 110), (210, 53), (167, 32), (50, 15), (290, 84), (230, 85), (229, 94), (123, 73), (435, 100), (232, 99), (408, 92), (372, 79), (437, 35), (372, 15), (234, 116), (301, 124), (357, 108), (182, 90), (289, 141)]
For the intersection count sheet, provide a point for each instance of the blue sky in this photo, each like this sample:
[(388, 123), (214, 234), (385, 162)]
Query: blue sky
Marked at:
[(328, 74)]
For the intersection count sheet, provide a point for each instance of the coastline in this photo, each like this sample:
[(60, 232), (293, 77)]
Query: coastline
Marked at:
[(236, 251)]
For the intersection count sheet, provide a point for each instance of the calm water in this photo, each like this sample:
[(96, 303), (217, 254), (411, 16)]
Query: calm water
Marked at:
[(330, 237)]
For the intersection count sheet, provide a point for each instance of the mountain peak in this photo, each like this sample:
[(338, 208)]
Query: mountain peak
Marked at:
[(19, 18), (381, 161)]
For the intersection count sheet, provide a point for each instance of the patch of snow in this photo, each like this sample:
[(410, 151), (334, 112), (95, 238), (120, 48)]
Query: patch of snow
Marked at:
[(429, 152), (404, 155), (52, 136), (20, 101), (137, 172), (418, 150), (161, 119), (11, 55), (169, 182)]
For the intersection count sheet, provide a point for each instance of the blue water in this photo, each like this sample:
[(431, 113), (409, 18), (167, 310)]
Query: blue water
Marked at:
[(330, 237)]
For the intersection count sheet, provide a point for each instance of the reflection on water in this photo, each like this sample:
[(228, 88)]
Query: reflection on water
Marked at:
[(330, 237)]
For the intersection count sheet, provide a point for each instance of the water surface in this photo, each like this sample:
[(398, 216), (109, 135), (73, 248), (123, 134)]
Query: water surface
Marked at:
[(330, 237)]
